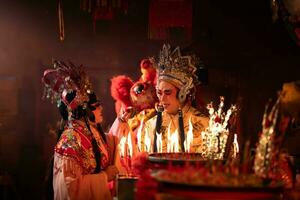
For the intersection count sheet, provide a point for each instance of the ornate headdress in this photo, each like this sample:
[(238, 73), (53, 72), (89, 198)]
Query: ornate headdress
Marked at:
[(63, 79), (178, 70), (137, 94)]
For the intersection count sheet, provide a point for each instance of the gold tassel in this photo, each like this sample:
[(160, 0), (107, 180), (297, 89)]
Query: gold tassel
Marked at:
[(61, 22)]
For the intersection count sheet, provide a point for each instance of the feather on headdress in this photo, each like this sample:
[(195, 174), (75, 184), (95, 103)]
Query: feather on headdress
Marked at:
[(65, 78), (178, 70)]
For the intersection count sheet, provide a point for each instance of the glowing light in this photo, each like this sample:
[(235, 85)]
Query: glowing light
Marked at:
[(122, 146), (139, 134), (169, 139), (159, 142), (129, 145), (236, 148), (189, 137), (216, 134), (147, 141), (174, 142), (266, 148)]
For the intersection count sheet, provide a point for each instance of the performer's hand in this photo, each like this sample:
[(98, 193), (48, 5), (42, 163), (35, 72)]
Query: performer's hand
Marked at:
[(126, 114), (111, 172)]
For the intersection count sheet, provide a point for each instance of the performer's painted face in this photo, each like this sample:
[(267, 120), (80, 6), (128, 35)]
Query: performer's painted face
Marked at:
[(167, 95), (97, 112)]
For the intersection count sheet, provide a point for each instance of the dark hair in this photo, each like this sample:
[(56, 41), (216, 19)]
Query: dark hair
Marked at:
[(93, 99), (77, 113), (63, 111), (90, 115), (90, 108), (157, 126)]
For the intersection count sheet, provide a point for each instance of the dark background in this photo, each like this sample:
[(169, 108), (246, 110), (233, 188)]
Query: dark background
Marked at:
[(248, 57)]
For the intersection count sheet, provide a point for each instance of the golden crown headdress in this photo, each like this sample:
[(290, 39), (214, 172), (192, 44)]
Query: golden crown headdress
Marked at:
[(177, 69), (64, 78)]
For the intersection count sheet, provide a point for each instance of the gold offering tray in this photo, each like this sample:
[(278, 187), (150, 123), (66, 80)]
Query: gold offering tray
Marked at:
[(178, 158)]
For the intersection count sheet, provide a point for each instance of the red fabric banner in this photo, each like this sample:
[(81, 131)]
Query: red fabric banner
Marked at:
[(166, 14)]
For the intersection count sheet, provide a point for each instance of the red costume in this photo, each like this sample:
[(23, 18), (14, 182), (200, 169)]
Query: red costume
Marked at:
[(84, 157)]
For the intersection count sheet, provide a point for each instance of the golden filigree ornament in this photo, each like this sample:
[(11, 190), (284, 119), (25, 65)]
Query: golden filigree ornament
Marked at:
[(178, 70), (266, 150), (216, 134)]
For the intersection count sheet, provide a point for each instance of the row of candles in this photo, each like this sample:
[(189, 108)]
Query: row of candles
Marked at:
[(172, 141), (214, 137), (127, 149)]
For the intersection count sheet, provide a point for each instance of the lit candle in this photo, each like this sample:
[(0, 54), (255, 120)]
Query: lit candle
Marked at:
[(122, 146), (189, 137), (159, 142), (236, 148), (129, 144), (139, 134), (174, 142), (147, 141), (169, 138)]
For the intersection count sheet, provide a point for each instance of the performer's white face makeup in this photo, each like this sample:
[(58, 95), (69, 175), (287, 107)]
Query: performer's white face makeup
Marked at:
[(166, 93)]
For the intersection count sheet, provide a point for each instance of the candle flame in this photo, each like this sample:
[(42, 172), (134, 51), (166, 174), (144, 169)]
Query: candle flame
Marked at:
[(189, 137), (174, 142), (236, 148), (129, 144), (139, 134), (159, 142), (169, 139), (147, 141), (122, 146)]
